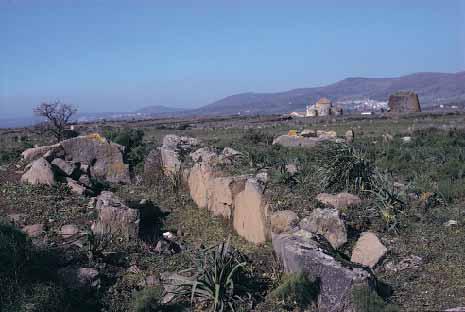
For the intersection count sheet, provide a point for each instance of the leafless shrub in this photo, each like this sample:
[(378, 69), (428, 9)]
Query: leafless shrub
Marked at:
[(57, 115)]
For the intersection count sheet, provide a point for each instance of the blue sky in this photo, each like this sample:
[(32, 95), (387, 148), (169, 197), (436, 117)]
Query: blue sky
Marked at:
[(123, 55)]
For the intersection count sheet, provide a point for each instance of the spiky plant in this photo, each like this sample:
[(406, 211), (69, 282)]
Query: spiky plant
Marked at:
[(216, 272), (343, 167)]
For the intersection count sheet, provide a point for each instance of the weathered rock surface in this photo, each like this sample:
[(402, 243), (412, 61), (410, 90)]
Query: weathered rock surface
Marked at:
[(40, 172), (339, 201), (75, 187), (173, 150), (115, 218), (33, 153), (104, 158), (368, 250), (250, 218), (326, 222), (301, 252), (66, 168), (204, 154), (326, 134), (33, 230), (77, 278), (221, 193), (69, 230), (199, 182), (283, 221)]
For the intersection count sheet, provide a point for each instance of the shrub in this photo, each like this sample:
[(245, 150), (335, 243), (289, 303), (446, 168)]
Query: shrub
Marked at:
[(217, 271), (133, 141), (296, 288), (148, 300)]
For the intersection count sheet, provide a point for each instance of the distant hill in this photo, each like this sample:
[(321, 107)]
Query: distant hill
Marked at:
[(432, 88), (158, 109)]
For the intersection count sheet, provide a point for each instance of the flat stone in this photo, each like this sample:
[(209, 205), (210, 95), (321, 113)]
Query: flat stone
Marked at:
[(368, 250), (326, 222)]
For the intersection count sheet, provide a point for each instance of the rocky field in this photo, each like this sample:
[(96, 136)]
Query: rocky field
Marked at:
[(236, 214)]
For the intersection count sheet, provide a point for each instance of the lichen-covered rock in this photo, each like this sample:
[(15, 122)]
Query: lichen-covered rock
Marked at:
[(250, 218), (115, 218), (368, 250), (174, 150), (283, 221), (221, 193), (300, 251), (105, 159), (40, 172), (34, 153), (326, 222), (339, 201), (65, 168)]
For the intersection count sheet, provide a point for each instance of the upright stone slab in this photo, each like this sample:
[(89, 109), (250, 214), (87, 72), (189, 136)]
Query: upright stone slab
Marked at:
[(115, 218), (250, 218), (221, 193)]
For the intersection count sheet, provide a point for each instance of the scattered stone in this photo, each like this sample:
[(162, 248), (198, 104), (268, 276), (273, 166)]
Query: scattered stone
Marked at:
[(326, 222), (296, 141), (69, 230), (85, 180), (34, 153), (66, 168), (133, 269), (40, 173), (291, 169), (115, 218), (251, 213), (77, 278), (326, 134), (450, 223), (387, 138), (350, 136), (283, 221), (409, 263), (263, 177), (458, 309), (339, 201), (34, 230), (300, 251), (368, 250), (75, 187), (169, 236), (407, 139), (229, 152), (307, 133)]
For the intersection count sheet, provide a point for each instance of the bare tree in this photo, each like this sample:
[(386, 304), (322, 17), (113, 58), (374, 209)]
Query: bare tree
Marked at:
[(57, 115)]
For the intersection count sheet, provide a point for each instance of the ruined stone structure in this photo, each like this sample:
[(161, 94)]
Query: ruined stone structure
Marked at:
[(323, 107), (404, 102)]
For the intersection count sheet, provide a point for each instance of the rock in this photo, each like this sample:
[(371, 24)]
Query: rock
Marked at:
[(115, 218), (173, 150), (78, 278), (409, 263), (229, 152), (85, 180), (69, 230), (404, 102), (450, 223), (75, 187), (368, 250), (204, 154), (283, 221), (105, 159), (17, 218), (170, 160), (457, 309), (326, 134), (40, 173), (152, 280), (65, 168), (296, 141), (339, 201), (350, 136), (326, 222), (133, 269), (250, 216), (307, 133), (183, 142), (34, 153), (221, 193), (406, 139), (387, 138), (33, 230), (262, 177), (199, 181), (300, 251), (291, 169)]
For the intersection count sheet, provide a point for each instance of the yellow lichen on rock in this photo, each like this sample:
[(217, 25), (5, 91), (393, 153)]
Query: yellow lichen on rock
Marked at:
[(96, 137)]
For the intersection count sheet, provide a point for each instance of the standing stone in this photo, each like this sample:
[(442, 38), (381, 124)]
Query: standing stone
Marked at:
[(326, 222), (221, 193), (199, 181), (368, 250), (115, 218), (251, 213), (40, 172)]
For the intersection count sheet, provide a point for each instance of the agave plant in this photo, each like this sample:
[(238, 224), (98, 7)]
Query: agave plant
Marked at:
[(216, 272)]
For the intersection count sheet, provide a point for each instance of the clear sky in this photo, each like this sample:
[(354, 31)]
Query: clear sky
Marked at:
[(123, 55)]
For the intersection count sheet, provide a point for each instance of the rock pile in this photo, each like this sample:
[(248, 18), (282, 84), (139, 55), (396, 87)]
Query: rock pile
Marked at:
[(75, 161)]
